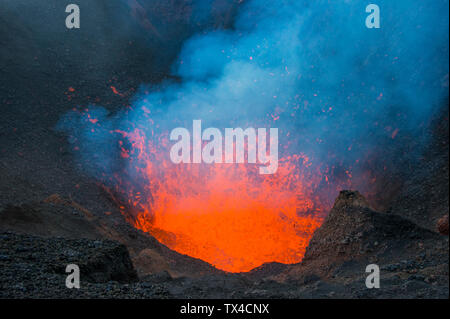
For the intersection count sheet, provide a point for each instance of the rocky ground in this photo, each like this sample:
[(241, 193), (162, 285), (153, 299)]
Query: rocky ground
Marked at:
[(413, 262), (52, 213)]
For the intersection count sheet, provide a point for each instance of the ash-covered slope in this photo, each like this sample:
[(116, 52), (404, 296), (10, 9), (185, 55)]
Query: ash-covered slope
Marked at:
[(424, 196)]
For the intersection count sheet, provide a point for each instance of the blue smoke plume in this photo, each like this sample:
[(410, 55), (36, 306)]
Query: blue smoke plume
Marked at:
[(333, 87)]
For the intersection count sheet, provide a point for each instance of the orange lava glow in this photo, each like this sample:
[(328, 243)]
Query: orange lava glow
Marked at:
[(225, 214)]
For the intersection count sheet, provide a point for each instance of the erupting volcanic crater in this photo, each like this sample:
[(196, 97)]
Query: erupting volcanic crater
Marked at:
[(87, 175), (335, 99), (228, 215)]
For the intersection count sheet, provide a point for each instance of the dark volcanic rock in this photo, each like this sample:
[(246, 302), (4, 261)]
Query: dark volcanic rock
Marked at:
[(34, 267), (266, 270), (99, 260), (353, 229)]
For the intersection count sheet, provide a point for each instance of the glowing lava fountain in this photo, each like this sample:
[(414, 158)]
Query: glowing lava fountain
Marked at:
[(225, 214)]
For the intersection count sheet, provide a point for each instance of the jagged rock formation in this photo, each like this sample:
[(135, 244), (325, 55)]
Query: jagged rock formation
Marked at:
[(413, 260), (353, 230)]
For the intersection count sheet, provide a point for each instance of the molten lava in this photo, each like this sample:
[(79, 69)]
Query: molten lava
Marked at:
[(225, 214)]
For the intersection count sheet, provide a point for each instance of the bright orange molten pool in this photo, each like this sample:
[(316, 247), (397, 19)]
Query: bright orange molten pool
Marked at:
[(225, 214)]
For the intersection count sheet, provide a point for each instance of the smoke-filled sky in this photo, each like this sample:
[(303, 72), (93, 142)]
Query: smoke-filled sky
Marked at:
[(310, 68)]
